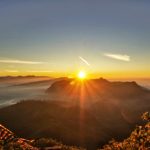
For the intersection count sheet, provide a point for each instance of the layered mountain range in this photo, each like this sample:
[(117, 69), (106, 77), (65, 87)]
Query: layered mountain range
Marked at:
[(85, 113)]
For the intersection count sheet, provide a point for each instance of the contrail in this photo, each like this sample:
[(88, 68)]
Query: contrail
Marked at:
[(118, 56), (20, 61), (83, 60)]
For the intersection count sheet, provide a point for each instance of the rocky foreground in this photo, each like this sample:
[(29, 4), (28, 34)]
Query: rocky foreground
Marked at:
[(9, 141)]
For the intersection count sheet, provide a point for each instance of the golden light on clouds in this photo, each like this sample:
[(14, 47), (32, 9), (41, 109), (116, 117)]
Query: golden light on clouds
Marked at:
[(118, 56), (14, 61)]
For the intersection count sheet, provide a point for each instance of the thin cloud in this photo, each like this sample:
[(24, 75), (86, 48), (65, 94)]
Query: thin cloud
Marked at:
[(83, 60), (12, 61), (12, 71), (118, 56), (41, 71)]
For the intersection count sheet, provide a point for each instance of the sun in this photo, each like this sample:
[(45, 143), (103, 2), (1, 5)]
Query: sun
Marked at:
[(81, 75)]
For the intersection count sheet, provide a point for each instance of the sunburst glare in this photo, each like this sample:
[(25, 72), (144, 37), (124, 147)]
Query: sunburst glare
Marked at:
[(82, 75)]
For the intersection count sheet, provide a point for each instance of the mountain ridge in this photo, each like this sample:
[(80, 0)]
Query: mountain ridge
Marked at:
[(75, 117)]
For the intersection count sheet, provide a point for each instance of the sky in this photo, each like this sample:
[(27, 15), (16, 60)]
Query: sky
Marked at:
[(60, 37)]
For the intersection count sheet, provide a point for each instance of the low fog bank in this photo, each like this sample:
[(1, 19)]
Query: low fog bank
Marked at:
[(13, 89)]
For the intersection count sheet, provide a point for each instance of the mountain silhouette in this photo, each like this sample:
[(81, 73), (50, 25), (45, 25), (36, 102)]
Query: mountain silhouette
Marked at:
[(96, 88), (83, 113)]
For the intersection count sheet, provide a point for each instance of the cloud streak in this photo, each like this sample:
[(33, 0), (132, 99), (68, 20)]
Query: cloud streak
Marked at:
[(13, 71), (83, 60), (118, 56), (42, 71), (13, 61)]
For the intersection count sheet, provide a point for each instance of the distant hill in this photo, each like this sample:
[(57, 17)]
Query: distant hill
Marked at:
[(17, 80), (6, 78), (97, 89), (97, 84), (36, 83), (39, 82)]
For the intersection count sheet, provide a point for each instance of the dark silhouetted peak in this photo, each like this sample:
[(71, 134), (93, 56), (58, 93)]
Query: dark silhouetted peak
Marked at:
[(132, 85), (59, 85), (101, 81), (98, 87)]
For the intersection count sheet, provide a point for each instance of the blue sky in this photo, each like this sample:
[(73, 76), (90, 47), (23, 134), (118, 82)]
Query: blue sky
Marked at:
[(57, 33)]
